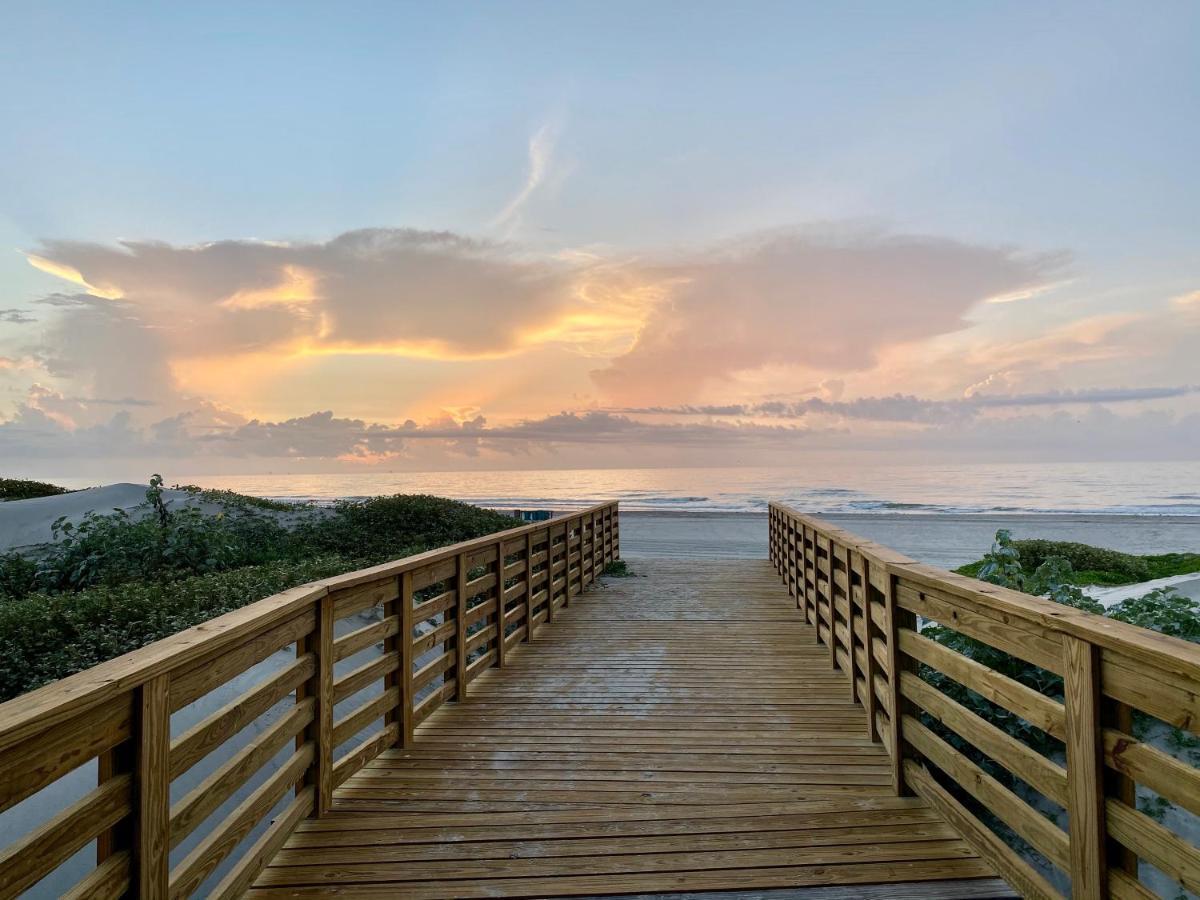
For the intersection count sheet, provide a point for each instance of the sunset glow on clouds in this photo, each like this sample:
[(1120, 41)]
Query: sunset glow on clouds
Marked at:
[(610, 272)]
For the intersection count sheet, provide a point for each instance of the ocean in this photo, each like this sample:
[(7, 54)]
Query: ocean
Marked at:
[(1108, 488)]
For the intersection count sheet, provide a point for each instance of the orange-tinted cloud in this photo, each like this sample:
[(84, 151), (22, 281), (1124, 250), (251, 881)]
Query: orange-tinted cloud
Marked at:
[(827, 301)]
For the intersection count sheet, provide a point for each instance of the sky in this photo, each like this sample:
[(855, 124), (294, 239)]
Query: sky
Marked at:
[(313, 237)]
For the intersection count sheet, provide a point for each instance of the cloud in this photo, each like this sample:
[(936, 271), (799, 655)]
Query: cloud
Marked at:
[(908, 408), (407, 291), (824, 300), (541, 153), (16, 316)]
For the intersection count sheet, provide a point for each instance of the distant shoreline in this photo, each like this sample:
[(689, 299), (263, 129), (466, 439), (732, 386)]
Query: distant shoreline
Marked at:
[(1091, 517)]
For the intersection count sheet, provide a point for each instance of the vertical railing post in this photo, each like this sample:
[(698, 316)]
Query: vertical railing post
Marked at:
[(829, 593), (592, 549), (848, 593), (529, 586), (407, 701), (460, 628), (392, 648), (869, 702), (550, 573), (500, 617), (897, 619), (790, 575), (322, 729), (153, 789), (1085, 769), (808, 559), (1118, 785)]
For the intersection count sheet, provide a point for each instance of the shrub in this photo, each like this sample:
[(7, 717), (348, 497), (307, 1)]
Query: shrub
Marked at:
[(232, 498), (18, 576), (158, 544), (20, 489), (384, 528), (1096, 565), (48, 636)]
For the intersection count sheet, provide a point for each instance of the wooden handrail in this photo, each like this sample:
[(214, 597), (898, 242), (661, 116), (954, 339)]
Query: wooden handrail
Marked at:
[(446, 616), (864, 601)]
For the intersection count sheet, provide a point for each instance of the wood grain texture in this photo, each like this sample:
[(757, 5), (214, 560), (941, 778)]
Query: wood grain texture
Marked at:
[(1085, 769), (679, 729)]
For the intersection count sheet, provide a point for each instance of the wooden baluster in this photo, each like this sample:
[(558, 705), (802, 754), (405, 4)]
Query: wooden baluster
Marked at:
[(460, 629), (808, 560), (592, 550), (550, 574), (1120, 786), (392, 648), (790, 574), (897, 619), (1085, 769), (566, 594), (153, 771), (869, 701), (829, 588), (407, 701), (529, 587), (322, 727), (849, 594), (500, 604)]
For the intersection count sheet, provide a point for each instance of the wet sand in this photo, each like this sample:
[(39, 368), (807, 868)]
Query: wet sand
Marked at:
[(940, 539)]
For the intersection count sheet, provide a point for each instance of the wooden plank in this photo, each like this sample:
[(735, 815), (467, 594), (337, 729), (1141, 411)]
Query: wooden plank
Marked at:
[(1015, 870), (1144, 763), (220, 784), (900, 623), (408, 655), (460, 633), (194, 682), (1027, 764), (1044, 836), (214, 730), (29, 767), (367, 636), (108, 881), (353, 722), (204, 858), (153, 788), (1155, 843), (351, 600), (320, 729), (1037, 709), (529, 604), (28, 859), (366, 750), (1085, 770), (364, 676), (235, 883)]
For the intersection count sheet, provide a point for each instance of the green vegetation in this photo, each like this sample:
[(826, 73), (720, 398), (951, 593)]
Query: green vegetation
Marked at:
[(20, 489), (1031, 566), (1096, 565), (232, 498), (116, 582), (617, 569)]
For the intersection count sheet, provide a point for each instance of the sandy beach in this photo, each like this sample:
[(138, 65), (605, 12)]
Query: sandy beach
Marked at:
[(945, 540)]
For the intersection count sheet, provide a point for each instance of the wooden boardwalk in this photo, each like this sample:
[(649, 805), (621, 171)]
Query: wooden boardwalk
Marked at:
[(680, 730)]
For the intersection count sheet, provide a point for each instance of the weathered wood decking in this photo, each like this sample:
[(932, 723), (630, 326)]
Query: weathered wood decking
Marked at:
[(680, 730)]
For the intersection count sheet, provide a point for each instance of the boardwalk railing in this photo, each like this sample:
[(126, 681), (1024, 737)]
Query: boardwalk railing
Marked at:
[(443, 618), (864, 601)]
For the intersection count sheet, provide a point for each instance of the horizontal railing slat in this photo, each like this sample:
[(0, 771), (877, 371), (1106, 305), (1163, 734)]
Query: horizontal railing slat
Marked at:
[(120, 712)]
